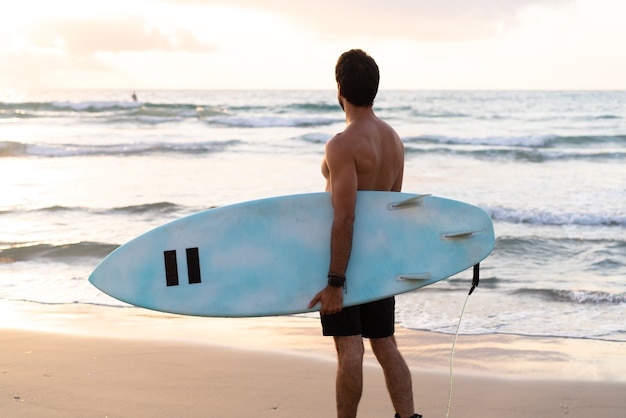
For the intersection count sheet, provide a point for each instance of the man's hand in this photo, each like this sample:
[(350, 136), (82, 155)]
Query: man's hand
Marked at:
[(331, 299)]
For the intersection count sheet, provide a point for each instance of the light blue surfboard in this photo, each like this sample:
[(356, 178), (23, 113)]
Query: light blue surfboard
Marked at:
[(271, 256)]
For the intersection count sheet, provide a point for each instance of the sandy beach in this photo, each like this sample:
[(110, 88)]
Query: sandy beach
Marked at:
[(85, 361)]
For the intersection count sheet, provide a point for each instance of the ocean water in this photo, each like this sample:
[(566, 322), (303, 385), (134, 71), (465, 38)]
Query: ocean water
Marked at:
[(85, 171)]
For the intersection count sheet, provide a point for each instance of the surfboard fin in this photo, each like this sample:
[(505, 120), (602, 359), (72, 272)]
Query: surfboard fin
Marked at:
[(412, 201), (460, 234), (417, 276)]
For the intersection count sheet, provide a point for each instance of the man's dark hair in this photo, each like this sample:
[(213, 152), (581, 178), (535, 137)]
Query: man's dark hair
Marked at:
[(358, 77)]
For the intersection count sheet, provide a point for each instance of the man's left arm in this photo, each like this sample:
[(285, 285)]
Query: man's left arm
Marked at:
[(343, 185)]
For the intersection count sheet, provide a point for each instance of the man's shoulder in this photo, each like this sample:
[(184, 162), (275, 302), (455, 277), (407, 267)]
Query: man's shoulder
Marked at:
[(344, 137), (339, 143)]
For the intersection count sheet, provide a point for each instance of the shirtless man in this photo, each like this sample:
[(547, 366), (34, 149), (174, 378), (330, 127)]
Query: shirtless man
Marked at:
[(367, 155)]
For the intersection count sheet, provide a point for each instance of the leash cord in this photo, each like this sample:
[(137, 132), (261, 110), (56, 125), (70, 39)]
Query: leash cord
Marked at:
[(475, 281), (456, 335)]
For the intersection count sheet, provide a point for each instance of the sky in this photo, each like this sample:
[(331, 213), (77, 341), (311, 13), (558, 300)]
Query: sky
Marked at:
[(291, 44)]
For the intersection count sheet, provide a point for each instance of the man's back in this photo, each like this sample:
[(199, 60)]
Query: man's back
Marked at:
[(373, 148)]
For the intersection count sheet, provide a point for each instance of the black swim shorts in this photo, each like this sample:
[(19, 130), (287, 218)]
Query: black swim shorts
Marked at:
[(371, 320)]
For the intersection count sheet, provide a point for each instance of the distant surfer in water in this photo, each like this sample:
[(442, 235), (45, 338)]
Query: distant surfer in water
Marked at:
[(367, 155), (134, 96)]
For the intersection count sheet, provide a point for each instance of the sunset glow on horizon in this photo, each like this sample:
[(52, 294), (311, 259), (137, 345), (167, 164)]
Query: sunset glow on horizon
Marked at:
[(281, 44)]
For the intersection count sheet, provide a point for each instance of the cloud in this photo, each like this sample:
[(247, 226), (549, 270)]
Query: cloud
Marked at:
[(34, 67), (62, 50), (112, 34), (418, 20)]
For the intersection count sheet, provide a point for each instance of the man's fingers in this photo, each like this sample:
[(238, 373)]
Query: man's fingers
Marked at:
[(315, 300)]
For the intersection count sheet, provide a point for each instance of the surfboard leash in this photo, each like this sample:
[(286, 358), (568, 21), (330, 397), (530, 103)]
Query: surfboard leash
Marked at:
[(475, 280)]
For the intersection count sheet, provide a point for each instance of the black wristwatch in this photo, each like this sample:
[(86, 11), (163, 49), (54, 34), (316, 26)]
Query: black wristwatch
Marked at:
[(336, 280)]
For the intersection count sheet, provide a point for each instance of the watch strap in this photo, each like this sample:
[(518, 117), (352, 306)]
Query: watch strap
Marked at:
[(336, 280)]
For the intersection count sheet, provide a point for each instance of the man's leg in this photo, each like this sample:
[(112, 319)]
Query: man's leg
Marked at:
[(349, 385), (397, 374)]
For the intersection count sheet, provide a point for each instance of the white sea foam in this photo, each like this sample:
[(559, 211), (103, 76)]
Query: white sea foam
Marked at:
[(88, 105), (543, 217), (271, 121)]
